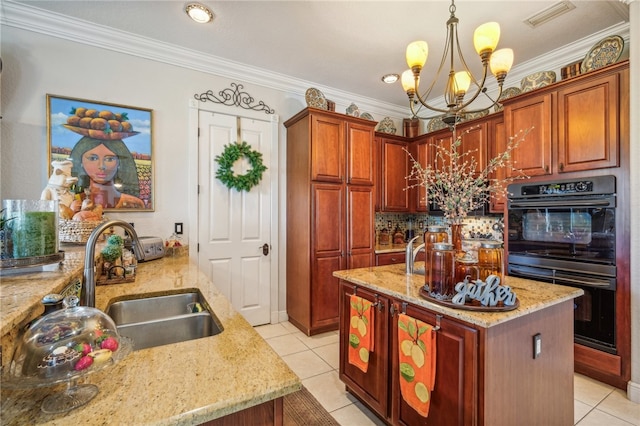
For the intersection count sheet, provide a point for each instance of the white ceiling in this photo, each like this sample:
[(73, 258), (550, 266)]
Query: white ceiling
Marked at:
[(346, 45)]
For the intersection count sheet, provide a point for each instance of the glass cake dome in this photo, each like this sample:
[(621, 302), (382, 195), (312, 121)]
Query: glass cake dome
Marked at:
[(63, 346)]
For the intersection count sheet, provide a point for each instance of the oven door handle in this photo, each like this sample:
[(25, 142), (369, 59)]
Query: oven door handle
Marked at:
[(558, 203), (588, 282)]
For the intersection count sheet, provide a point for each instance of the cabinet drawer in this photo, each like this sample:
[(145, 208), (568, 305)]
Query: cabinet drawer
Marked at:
[(389, 258)]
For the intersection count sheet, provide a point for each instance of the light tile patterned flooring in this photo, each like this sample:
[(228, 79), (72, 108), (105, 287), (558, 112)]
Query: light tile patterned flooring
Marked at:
[(315, 360)]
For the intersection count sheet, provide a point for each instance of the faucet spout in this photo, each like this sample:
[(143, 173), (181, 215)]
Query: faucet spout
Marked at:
[(89, 276), (409, 257)]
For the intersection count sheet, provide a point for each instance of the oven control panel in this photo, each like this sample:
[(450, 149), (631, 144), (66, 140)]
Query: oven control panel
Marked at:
[(583, 186)]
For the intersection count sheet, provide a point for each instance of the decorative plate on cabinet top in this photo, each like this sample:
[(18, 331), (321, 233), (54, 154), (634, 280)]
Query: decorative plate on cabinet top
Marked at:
[(507, 93), (472, 115), (435, 124), (537, 80), (315, 98), (367, 116), (605, 52), (387, 126), (353, 110)]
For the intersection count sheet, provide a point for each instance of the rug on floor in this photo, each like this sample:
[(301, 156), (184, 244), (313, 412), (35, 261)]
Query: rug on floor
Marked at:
[(303, 409)]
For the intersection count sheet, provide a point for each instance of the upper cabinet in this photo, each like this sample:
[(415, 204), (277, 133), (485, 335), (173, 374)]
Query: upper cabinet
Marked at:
[(576, 124), (394, 167)]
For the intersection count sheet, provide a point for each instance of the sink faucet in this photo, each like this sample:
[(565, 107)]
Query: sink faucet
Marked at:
[(89, 276), (411, 254)]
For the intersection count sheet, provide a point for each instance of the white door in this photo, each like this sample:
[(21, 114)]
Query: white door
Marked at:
[(234, 226)]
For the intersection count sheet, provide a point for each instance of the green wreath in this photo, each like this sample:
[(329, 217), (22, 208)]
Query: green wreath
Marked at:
[(231, 154)]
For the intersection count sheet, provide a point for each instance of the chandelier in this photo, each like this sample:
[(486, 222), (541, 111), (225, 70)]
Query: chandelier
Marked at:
[(485, 40)]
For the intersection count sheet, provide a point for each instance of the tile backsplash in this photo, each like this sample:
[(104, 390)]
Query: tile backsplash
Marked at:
[(481, 227)]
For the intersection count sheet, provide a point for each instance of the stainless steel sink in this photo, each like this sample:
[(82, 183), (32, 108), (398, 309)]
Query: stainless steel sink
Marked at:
[(148, 334), (163, 319), (148, 308)]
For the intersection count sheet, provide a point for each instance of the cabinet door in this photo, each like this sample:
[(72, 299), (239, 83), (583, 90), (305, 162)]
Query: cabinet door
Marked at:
[(360, 158), (455, 394), (372, 386), (395, 168), (497, 144), (360, 226), (422, 157), (327, 148), (533, 155), (588, 125), (473, 140), (328, 252)]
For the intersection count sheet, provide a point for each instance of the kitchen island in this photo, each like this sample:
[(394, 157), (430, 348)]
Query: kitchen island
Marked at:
[(487, 371), (185, 383)]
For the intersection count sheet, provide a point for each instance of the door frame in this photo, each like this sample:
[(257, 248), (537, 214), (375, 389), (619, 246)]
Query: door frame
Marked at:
[(195, 106)]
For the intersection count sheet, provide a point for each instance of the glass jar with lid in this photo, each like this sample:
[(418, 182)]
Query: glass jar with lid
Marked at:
[(466, 268), (434, 234), (490, 260), (440, 275)]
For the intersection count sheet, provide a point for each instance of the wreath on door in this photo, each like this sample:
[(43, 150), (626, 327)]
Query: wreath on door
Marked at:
[(232, 153)]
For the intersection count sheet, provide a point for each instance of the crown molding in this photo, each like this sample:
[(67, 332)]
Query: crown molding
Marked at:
[(26, 17)]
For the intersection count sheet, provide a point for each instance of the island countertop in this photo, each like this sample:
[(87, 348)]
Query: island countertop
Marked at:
[(393, 281), (178, 384)]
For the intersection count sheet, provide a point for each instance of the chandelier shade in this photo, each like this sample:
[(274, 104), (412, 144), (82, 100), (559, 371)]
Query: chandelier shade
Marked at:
[(462, 87)]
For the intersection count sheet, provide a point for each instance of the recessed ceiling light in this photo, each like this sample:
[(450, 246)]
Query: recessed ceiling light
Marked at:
[(390, 78), (199, 13)]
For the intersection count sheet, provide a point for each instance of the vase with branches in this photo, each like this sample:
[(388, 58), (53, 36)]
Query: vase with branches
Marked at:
[(454, 182)]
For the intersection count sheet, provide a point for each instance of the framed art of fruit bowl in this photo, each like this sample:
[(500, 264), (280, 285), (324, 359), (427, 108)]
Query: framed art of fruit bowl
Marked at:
[(110, 146)]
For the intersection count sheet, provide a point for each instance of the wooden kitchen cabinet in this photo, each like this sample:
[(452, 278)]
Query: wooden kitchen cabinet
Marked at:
[(330, 211), (533, 155), (372, 386), (576, 123), (588, 124), (485, 374), (454, 399), (394, 167), (497, 144)]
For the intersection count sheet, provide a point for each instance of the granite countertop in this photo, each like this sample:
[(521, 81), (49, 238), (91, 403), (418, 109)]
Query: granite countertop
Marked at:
[(179, 384), (392, 281), (390, 248)]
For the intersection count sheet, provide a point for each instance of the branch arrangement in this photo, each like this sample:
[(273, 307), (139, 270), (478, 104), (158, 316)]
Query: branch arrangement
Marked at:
[(453, 182)]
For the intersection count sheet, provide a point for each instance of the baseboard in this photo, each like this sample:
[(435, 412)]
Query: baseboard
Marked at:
[(279, 316), (633, 392)]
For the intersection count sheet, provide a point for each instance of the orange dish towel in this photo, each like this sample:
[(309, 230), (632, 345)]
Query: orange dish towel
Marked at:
[(360, 332), (417, 356)]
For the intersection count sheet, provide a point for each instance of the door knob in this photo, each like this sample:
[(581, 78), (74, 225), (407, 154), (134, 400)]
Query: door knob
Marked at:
[(265, 249)]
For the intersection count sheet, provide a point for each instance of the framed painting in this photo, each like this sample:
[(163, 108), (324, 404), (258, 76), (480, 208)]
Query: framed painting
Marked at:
[(109, 149)]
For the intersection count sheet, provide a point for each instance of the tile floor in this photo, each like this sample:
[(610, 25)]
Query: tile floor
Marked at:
[(315, 360)]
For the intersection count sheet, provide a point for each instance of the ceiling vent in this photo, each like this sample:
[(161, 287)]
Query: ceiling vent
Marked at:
[(549, 13)]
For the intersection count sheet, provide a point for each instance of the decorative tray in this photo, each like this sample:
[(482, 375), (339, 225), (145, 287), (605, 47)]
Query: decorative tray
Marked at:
[(29, 262), (468, 306)]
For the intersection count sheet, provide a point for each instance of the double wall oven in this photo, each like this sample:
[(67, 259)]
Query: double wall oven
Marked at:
[(564, 232)]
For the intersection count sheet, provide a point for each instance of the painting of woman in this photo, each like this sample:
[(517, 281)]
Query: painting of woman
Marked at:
[(111, 171), (110, 147)]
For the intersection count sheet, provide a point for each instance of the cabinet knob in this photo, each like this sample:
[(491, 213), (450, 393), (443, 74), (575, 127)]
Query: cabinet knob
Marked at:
[(561, 166)]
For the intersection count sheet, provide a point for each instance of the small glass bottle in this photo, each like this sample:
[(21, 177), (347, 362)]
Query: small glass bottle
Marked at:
[(490, 260), (440, 275)]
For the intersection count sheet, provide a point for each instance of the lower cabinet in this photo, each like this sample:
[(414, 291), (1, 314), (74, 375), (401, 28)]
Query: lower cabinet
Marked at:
[(488, 376), (454, 399)]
